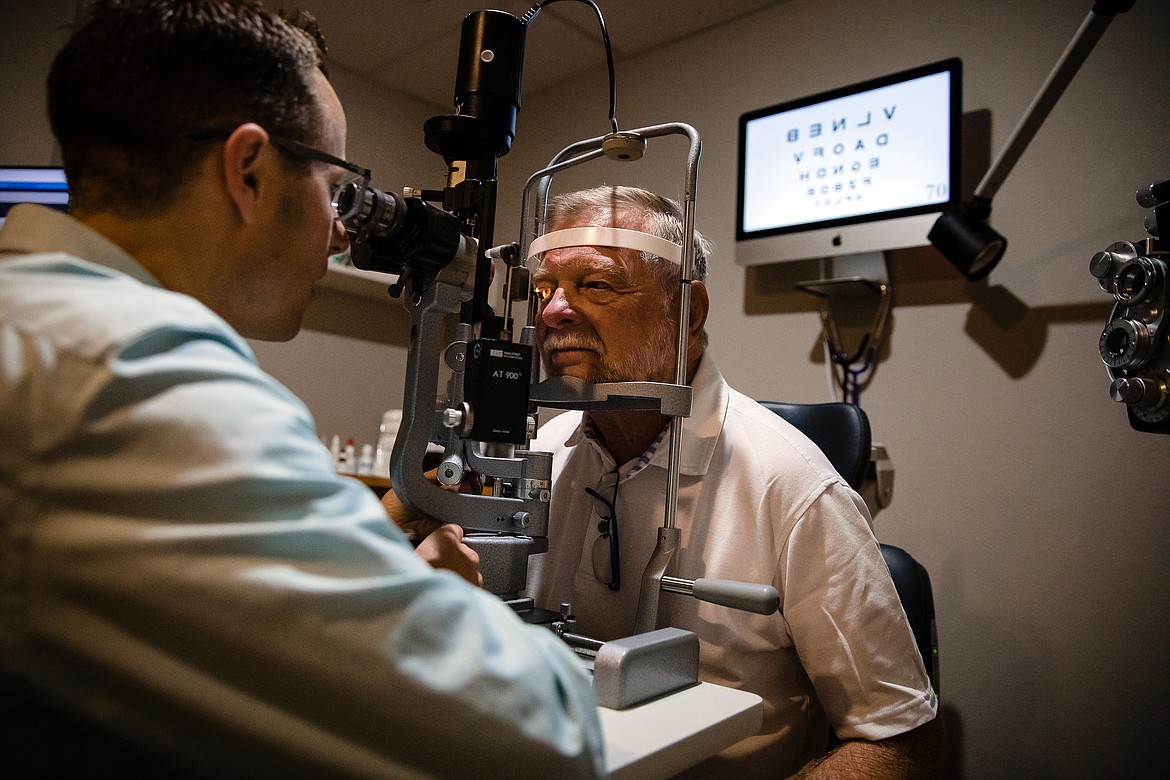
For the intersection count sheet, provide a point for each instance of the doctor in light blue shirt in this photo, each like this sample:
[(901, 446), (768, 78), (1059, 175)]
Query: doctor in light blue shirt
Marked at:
[(181, 565)]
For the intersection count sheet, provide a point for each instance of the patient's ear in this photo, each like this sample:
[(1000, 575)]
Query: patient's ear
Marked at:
[(700, 305)]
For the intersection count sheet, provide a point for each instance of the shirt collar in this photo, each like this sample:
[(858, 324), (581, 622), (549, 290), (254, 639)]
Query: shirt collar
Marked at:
[(701, 430), (30, 229)]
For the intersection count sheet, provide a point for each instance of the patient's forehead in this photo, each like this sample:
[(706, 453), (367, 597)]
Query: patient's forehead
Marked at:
[(624, 266), (602, 255), (581, 261)]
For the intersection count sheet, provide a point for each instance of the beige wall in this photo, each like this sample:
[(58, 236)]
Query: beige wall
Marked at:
[(30, 34), (1041, 516), (1043, 519)]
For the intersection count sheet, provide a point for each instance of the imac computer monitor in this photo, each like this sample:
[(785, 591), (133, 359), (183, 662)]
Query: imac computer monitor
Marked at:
[(863, 168), (32, 184)]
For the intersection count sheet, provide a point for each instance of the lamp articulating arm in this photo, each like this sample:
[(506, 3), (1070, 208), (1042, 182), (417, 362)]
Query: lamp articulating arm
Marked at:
[(961, 233)]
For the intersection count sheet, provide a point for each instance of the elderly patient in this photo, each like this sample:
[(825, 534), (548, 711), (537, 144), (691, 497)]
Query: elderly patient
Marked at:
[(758, 502)]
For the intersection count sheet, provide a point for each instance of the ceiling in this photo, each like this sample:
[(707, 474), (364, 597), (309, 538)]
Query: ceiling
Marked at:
[(413, 45)]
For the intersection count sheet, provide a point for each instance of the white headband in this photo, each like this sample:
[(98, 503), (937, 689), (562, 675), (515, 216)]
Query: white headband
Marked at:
[(605, 236)]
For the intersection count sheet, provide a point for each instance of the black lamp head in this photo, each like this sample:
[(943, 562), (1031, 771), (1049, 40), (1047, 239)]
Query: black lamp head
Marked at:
[(962, 234)]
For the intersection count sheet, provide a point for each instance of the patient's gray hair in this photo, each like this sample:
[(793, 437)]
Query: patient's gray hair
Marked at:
[(635, 209)]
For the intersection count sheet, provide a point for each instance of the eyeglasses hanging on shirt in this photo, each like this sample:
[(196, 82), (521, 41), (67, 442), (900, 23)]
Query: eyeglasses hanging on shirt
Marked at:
[(606, 558)]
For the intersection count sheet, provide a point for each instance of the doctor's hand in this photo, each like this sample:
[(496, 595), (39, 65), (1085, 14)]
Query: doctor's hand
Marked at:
[(417, 526), (443, 548), (439, 544)]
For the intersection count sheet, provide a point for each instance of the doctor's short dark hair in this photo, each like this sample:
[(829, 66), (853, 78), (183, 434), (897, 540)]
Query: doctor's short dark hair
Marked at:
[(138, 76)]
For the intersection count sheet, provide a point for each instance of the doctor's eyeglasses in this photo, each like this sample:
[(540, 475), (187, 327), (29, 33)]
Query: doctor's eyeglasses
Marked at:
[(347, 195), (345, 203)]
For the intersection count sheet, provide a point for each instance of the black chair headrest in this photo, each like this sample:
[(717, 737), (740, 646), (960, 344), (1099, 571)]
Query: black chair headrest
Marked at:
[(841, 430)]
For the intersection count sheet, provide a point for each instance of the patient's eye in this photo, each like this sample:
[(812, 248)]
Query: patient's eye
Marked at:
[(591, 287), (544, 291), (598, 289)]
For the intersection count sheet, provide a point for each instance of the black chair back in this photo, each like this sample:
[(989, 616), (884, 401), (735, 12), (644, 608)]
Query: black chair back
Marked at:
[(841, 431), (913, 586)]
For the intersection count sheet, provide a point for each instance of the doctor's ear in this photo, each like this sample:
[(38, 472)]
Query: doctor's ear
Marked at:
[(243, 162)]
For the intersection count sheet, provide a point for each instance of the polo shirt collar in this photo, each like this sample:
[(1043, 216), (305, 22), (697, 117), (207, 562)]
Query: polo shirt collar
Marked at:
[(30, 229)]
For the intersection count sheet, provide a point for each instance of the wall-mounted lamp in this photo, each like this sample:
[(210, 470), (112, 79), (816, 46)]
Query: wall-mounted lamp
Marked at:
[(961, 232)]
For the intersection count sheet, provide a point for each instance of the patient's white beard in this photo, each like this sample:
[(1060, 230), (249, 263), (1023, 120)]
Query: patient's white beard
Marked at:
[(652, 360)]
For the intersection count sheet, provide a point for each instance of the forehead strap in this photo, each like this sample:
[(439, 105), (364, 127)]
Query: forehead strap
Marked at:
[(620, 238)]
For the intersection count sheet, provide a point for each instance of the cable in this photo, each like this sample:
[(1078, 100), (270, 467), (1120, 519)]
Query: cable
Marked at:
[(535, 10), (851, 376)]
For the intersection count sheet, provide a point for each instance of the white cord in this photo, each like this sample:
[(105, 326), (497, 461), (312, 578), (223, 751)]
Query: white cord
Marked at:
[(830, 374)]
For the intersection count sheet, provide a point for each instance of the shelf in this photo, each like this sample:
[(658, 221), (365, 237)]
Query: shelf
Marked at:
[(850, 286), (371, 481), (380, 485), (354, 281)]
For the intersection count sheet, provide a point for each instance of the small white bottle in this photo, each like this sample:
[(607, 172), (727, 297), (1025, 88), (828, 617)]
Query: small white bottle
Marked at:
[(387, 432), (365, 464)]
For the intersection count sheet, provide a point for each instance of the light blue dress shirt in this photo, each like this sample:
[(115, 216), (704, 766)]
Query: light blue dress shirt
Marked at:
[(180, 561)]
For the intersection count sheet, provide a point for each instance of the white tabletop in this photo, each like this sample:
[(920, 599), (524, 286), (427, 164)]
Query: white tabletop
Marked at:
[(665, 736)]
